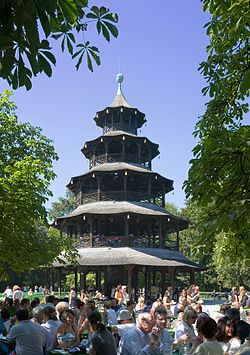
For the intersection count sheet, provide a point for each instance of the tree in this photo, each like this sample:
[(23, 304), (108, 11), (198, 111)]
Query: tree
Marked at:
[(218, 178), (192, 249), (63, 206), (28, 26), (26, 158), (229, 272)]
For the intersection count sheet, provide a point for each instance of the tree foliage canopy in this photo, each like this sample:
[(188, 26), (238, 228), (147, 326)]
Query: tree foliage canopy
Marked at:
[(26, 158), (28, 26), (218, 178)]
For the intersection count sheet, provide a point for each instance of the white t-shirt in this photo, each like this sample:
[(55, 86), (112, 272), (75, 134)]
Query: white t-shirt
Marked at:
[(18, 294), (8, 292), (231, 346)]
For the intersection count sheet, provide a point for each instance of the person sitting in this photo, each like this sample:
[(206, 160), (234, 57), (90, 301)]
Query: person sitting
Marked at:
[(50, 325), (10, 306), (198, 308), (160, 316), (114, 304), (227, 335), (28, 336), (17, 293), (131, 308), (142, 339), (243, 328), (140, 304), (223, 308), (207, 329), (180, 307), (68, 326), (83, 322), (188, 319), (126, 323), (166, 300), (109, 314), (61, 306), (4, 319), (8, 292), (103, 342)]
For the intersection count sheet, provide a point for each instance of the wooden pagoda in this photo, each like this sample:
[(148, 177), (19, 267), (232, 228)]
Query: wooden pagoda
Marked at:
[(120, 225)]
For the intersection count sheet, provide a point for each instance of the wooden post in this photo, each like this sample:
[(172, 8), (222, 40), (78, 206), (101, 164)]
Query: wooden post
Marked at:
[(98, 188), (160, 232), (106, 151), (52, 280), (149, 190), (91, 232), (139, 153), (171, 273), (163, 195), (129, 270), (46, 277), (163, 281), (191, 276), (123, 150), (125, 187)]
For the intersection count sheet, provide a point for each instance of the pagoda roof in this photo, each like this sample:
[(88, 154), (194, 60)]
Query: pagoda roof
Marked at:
[(120, 133), (123, 207), (114, 167), (132, 256)]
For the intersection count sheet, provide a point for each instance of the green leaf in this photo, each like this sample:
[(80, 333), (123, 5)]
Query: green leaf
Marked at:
[(79, 61), (50, 56), (5, 42), (45, 23), (105, 33), (69, 45), (63, 44), (95, 9), (113, 29), (69, 10), (44, 65), (77, 53), (89, 61), (95, 56), (91, 15)]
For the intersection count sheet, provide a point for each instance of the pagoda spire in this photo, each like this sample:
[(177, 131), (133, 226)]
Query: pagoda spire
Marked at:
[(119, 100)]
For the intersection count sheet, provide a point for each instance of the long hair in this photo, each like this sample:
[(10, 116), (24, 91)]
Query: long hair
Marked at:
[(95, 320), (221, 329)]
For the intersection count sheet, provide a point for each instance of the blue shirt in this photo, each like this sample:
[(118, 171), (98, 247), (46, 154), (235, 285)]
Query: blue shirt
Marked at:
[(135, 342)]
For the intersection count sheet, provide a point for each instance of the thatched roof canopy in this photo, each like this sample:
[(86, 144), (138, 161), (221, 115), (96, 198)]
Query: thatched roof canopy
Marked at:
[(132, 256), (124, 207)]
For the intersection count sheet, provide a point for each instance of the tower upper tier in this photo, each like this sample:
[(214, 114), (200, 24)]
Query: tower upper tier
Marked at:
[(120, 116)]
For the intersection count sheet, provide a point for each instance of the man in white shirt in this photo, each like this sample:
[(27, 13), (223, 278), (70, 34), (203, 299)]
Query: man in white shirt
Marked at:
[(142, 339), (126, 323), (8, 292)]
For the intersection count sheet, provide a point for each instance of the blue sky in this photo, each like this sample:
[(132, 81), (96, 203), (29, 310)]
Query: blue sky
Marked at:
[(159, 47)]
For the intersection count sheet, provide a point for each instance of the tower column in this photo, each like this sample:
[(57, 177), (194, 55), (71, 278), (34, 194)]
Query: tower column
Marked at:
[(98, 188), (125, 187)]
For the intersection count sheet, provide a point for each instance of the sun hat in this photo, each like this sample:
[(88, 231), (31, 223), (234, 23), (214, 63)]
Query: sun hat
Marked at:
[(124, 314)]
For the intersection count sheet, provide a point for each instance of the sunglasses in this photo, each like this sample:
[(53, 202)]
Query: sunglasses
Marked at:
[(194, 317)]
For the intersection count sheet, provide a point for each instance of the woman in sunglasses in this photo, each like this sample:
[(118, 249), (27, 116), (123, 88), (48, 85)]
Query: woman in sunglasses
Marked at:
[(186, 326)]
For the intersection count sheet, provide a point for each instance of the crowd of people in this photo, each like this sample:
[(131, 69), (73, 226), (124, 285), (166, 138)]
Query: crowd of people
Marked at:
[(122, 324)]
